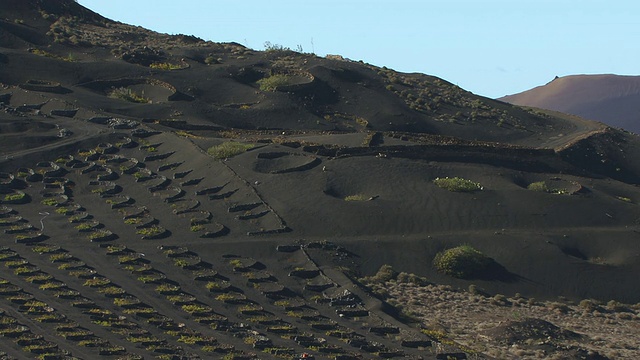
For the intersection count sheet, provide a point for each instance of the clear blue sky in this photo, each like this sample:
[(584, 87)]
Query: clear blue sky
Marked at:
[(491, 48)]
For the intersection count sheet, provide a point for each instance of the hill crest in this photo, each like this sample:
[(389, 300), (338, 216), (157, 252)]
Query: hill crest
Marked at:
[(612, 99)]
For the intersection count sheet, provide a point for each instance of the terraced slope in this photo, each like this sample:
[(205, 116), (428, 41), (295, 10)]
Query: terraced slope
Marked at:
[(106, 248)]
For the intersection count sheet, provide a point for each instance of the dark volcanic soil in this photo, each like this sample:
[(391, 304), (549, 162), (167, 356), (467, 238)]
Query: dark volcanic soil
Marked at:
[(125, 237)]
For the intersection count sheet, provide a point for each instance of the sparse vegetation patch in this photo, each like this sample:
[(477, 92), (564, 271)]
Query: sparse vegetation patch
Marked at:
[(14, 197), (542, 186), (127, 94), (357, 197), (457, 184), (272, 82), (228, 149), (538, 186), (166, 66)]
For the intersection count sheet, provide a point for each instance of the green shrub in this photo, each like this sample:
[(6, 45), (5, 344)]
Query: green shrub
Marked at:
[(60, 257), (166, 66), (499, 300), (164, 288), (457, 184), (217, 285), (152, 278), (45, 249), (228, 149), (16, 263), (462, 262), (126, 301), (538, 186), (543, 187), (407, 278), (112, 290), (99, 234), (589, 305), (97, 282), (616, 306), (76, 218), (272, 82), (133, 221), (192, 339), (151, 231), (128, 95), (384, 274), (49, 318), (124, 259), (196, 228), (180, 262), (558, 307), (357, 197), (84, 226), (14, 197), (210, 60), (196, 308), (268, 46), (228, 296)]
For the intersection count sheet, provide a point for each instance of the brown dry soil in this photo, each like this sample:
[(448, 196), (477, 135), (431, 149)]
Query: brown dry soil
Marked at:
[(517, 327), (611, 99), (123, 238)]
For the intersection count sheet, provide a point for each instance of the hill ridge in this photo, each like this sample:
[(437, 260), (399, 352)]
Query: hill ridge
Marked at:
[(164, 196), (609, 98)]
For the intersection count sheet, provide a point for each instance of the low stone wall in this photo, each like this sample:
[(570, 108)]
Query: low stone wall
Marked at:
[(529, 159), (44, 86)]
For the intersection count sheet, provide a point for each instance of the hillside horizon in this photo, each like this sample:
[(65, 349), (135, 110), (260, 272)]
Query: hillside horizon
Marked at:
[(609, 98)]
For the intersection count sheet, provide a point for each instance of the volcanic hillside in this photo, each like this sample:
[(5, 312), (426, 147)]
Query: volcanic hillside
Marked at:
[(611, 99), (163, 196)]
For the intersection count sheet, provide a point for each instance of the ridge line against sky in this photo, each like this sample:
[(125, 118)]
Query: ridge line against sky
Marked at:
[(491, 48)]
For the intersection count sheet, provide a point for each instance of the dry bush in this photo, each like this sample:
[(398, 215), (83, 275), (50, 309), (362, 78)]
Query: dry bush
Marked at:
[(558, 307)]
